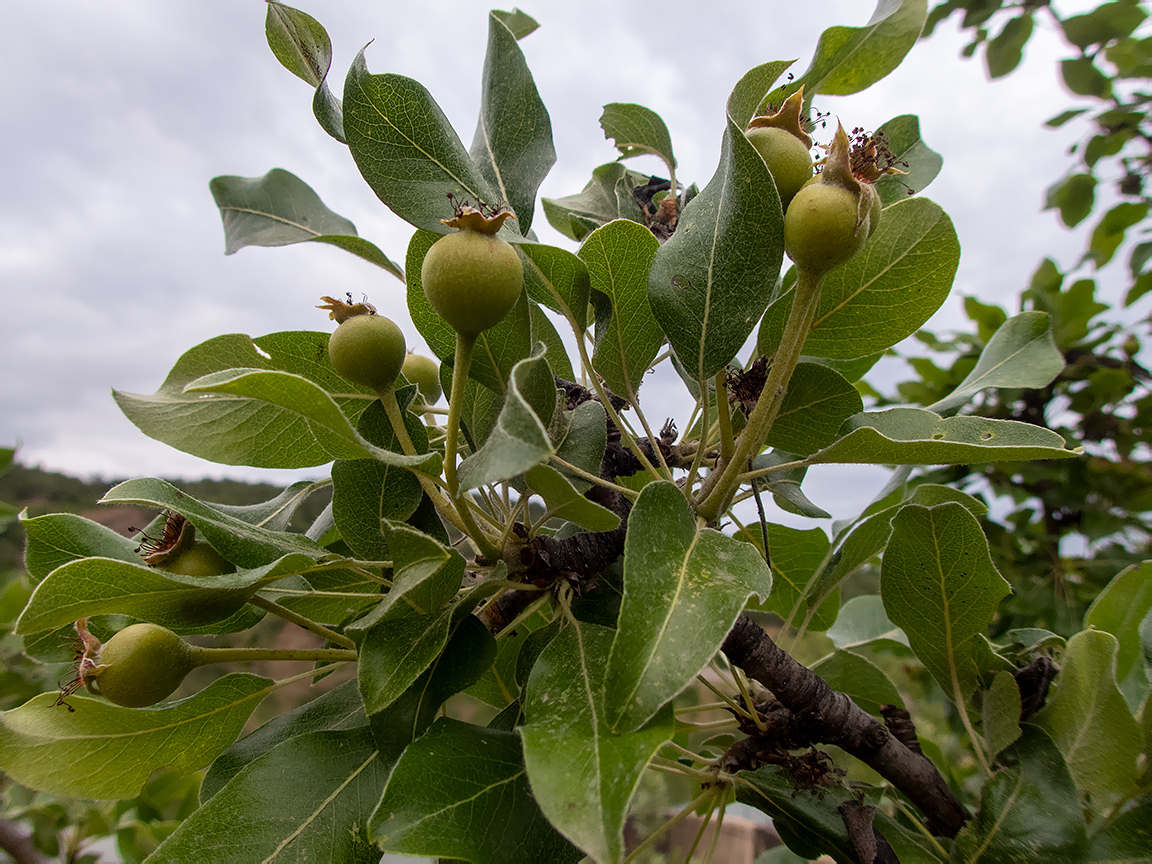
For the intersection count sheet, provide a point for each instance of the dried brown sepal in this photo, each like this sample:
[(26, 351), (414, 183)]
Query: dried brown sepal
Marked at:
[(870, 157), (838, 172), (177, 536), (339, 311), (87, 663), (787, 118), (744, 387), (483, 219)]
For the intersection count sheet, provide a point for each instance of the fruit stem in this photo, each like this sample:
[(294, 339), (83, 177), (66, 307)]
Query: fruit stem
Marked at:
[(208, 656), (300, 621), (387, 397), (717, 490), (460, 365), (461, 362), (723, 417)]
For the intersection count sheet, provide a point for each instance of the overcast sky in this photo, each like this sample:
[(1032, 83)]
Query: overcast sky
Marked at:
[(111, 249)]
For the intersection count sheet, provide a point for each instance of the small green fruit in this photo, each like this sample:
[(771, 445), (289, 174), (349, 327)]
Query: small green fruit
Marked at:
[(367, 350), (199, 559), (141, 665), (424, 372), (472, 280), (820, 230), (787, 158)]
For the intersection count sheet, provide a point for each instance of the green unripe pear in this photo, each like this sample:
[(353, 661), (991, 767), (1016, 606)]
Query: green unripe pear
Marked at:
[(141, 665), (368, 350), (198, 559), (786, 157), (472, 280), (424, 372), (820, 227)]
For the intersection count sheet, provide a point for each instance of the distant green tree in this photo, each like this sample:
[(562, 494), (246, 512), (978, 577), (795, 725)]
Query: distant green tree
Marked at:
[(1070, 526)]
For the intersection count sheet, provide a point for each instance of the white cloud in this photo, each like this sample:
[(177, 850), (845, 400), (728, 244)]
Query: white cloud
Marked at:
[(110, 246)]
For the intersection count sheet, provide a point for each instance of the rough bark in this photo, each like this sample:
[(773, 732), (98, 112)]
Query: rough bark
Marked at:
[(833, 718)]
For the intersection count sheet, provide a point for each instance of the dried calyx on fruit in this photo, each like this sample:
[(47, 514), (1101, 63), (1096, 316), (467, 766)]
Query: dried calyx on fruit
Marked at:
[(833, 215), (783, 142), (139, 666), (367, 348), (177, 550), (471, 277)]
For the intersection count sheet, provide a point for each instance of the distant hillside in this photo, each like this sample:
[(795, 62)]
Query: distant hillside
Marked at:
[(50, 492)]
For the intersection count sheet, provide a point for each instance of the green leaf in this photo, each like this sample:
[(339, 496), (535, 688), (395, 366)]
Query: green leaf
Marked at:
[(628, 338), (497, 349), (1006, 49), (58, 538), (276, 513), (320, 815), (862, 620), (636, 131), (1110, 231), (366, 491), (280, 209), (242, 543), (1063, 117), (1000, 713), (818, 401), (520, 438), (1120, 609), (468, 655), (785, 485), (867, 538), (100, 750), (1074, 196), (906, 146), (1128, 838), (243, 432), (512, 146), (407, 150), (557, 279), (543, 330), (809, 820), (1105, 23), (437, 332), (861, 679), (461, 792), (565, 502), (940, 587), (684, 586), (297, 395), (409, 628), (299, 41), (303, 597), (583, 776), (1090, 722), (520, 23), (607, 196), (752, 94), (1021, 353), (796, 555), (1083, 78), (337, 709), (302, 46), (1028, 810), (498, 685), (850, 59), (584, 441), (710, 281), (101, 586), (913, 436), (885, 293)]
